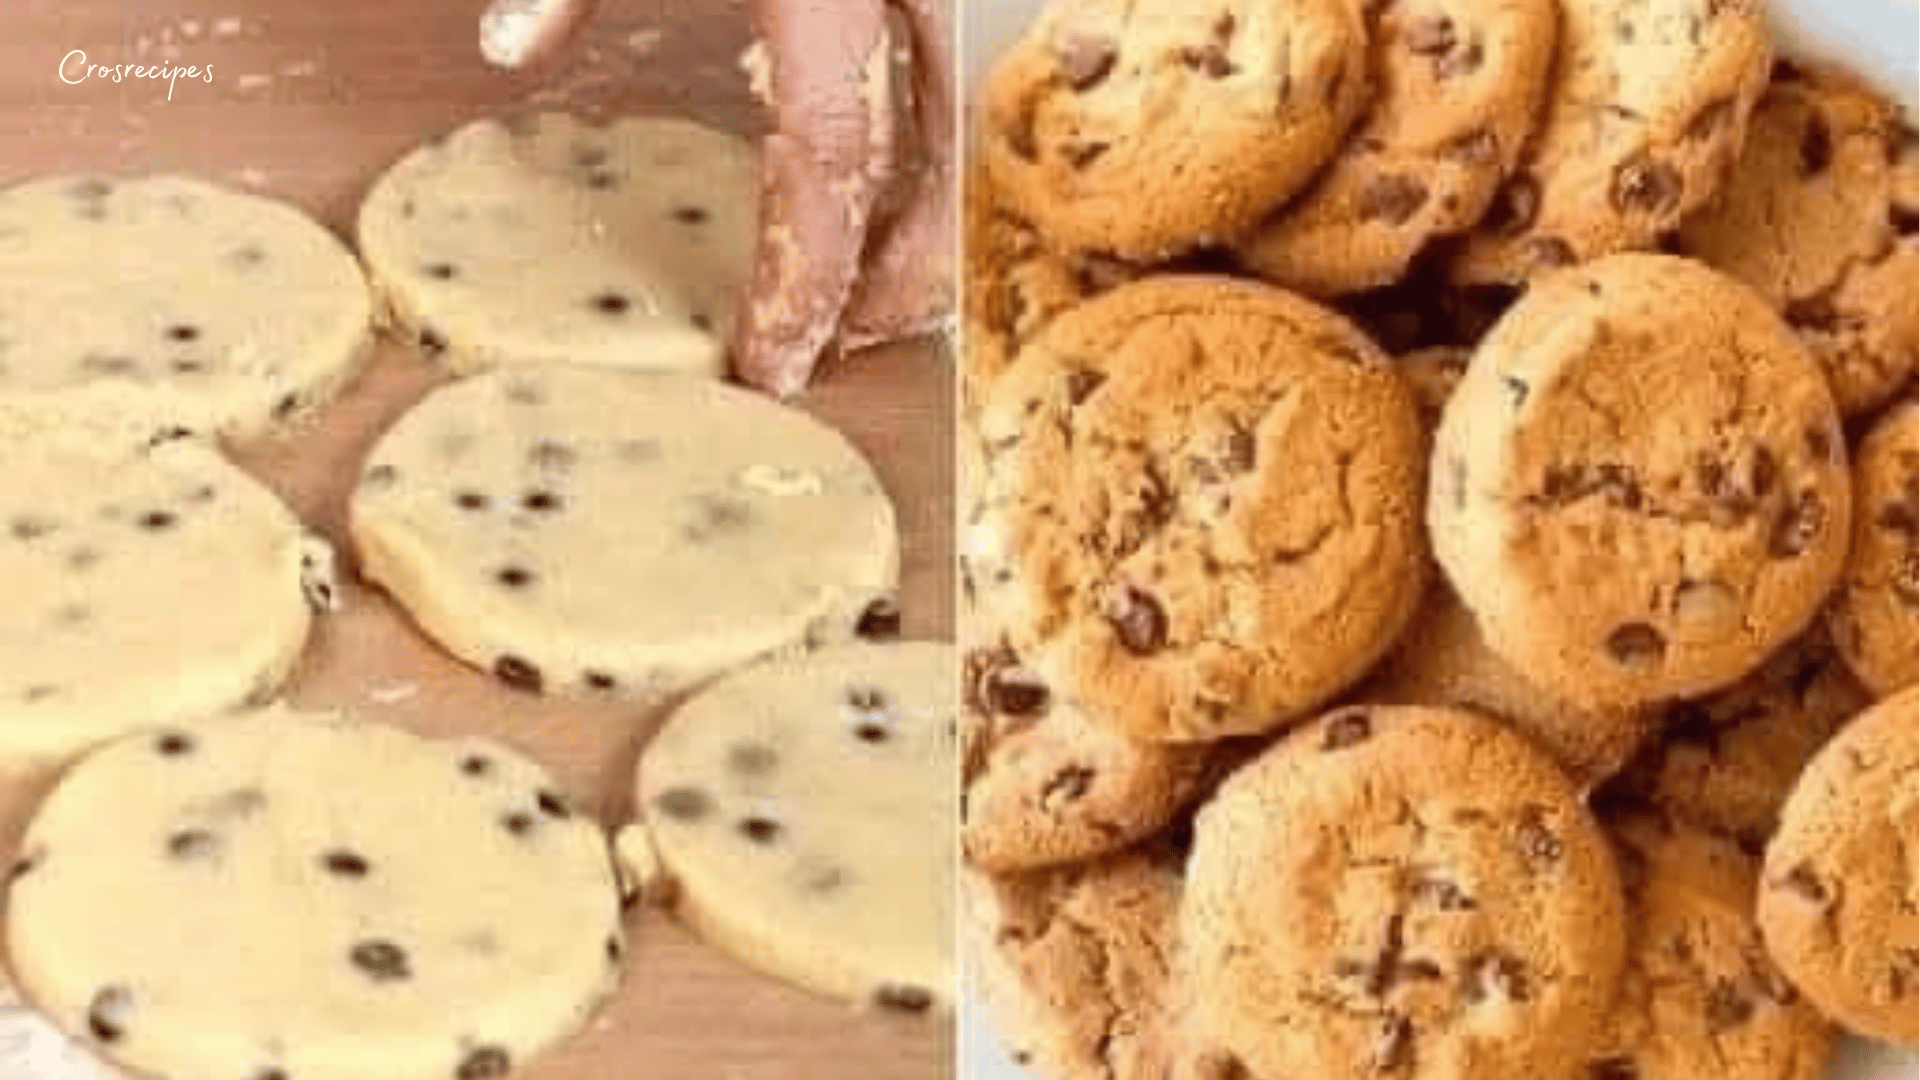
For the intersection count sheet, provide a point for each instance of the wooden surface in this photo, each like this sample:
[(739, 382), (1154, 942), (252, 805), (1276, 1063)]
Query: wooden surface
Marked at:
[(309, 102)]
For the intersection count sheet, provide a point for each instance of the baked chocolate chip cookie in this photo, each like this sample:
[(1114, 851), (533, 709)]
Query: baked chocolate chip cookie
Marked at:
[(1875, 617)]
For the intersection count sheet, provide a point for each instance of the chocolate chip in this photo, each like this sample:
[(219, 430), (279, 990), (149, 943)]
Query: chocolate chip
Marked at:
[(1429, 35), (271, 1073), (1515, 208), (483, 1063), (1613, 1068), (514, 577), (29, 528), (518, 674), (1082, 383), (173, 744), (599, 680), (475, 765), (1085, 59), (760, 830), (603, 180), (683, 803), (1480, 147), (1814, 312), (345, 864), (1068, 785), (1350, 727), (701, 321), (441, 271), (1647, 186), (880, 619), (157, 520), (1816, 146), (1138, 621), (1393, 1049), (1496, 975), (542, 502), (107, 1013), (183, 332), (1444, 894), (1538, 842), (381, 961), (1636, 644), (1392, 199), (1209, 60), (752, 759), (192, 844), (1904, 220), (1082, 153), (1010, 690), (1796, 526), (1711, 118), (1462, 61), (690, 215), (1820, 443), (1551, 251), (1803, 881), (1517, 390), (432, 342), (1727, 1006), (902, 998), (612, 303), (871, 732), (471, 500), (517, 823)]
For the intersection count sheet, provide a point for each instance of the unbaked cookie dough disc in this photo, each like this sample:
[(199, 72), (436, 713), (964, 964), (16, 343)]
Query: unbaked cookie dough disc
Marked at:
[(804, 811), (180, 303), (586, 531), (627, 245), (282, 894), (144, 586)]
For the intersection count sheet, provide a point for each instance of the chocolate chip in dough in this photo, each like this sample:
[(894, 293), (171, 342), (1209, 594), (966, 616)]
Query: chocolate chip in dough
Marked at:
[(343, 863), (483, 1063), (1429, 35), (1636, 644), (1085, 59), (1068, 785), (1816, 146), (518, 674), (1515, 208), (1796, 525), (542, 502), (690, 215), (518, 823), (760, 830), (1538, 842), (476, 765), (108, 1013), (599, 681), (1138, 621), (271, 1073), (751, 759), (192, 844), (611, 303), (440, 271), (683, 803), (1727, 1007), (183, 332), (29, 527), (514, 577), (1350, 727), (158, 520), (1613, 1068), (1805, 882), (381, 961), (880, 619), (173, 744), (1011, 690), (902, 998), (471, 500), (1391, 198), (552, 805), (432, 342)]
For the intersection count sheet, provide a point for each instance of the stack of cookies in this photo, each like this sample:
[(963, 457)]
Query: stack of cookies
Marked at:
[(1439, 544)]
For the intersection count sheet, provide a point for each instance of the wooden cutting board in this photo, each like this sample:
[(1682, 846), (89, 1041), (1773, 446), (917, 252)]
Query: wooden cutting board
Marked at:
[(309, 102)]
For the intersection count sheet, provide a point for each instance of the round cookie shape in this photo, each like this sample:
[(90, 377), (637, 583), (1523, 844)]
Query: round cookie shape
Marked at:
[(578, 530), (1875, 616), (798, 808), (147, 585), (1640, 488), (1460, 85), (1044, 785), (1204, 495), (1700, 997), (1727, 762), (1085, 114), (1402, 892), (178, 304), (1837, 894), (394, 906), (1820, 219), (1078, 965), (1443, 661), (1644, 120), (548, 239)]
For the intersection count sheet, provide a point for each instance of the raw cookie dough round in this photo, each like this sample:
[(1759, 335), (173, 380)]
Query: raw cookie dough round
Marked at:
[(1145, 128), (1837, 901), (1645, 118), (146, 585), (1727, 762), (577, 530), (1640, 488), (627, 244), (182, 304), (1402, 892), (1700, 998), (1043, 784), (1819, 218), (1460, 86), (803, 810), (1078, 965), (1443, 661), (1201, 507), (282, 894), (1875, 617)]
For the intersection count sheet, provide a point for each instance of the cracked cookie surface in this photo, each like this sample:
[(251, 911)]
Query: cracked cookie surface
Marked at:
[(1146, 128), (1078, 965), (1646, 115), (1700, 998), (1726, 762), (1641, 486), (1460, 85), (1045, 785), (1443, 661), (1201, 507), (1820, 218), (1401, 892), (1875, 616), (1837, 896)]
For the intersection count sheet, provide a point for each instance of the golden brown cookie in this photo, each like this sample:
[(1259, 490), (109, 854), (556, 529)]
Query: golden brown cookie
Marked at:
[(1701, 998), (1837, 903), (1819, 218), (1434, 373), (1442, 661), (1726, 762), (1875, 617), (1202, 504), (1402, 892), (1640, 487), (1459, 86), (1145, 128), (1647, 113)]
